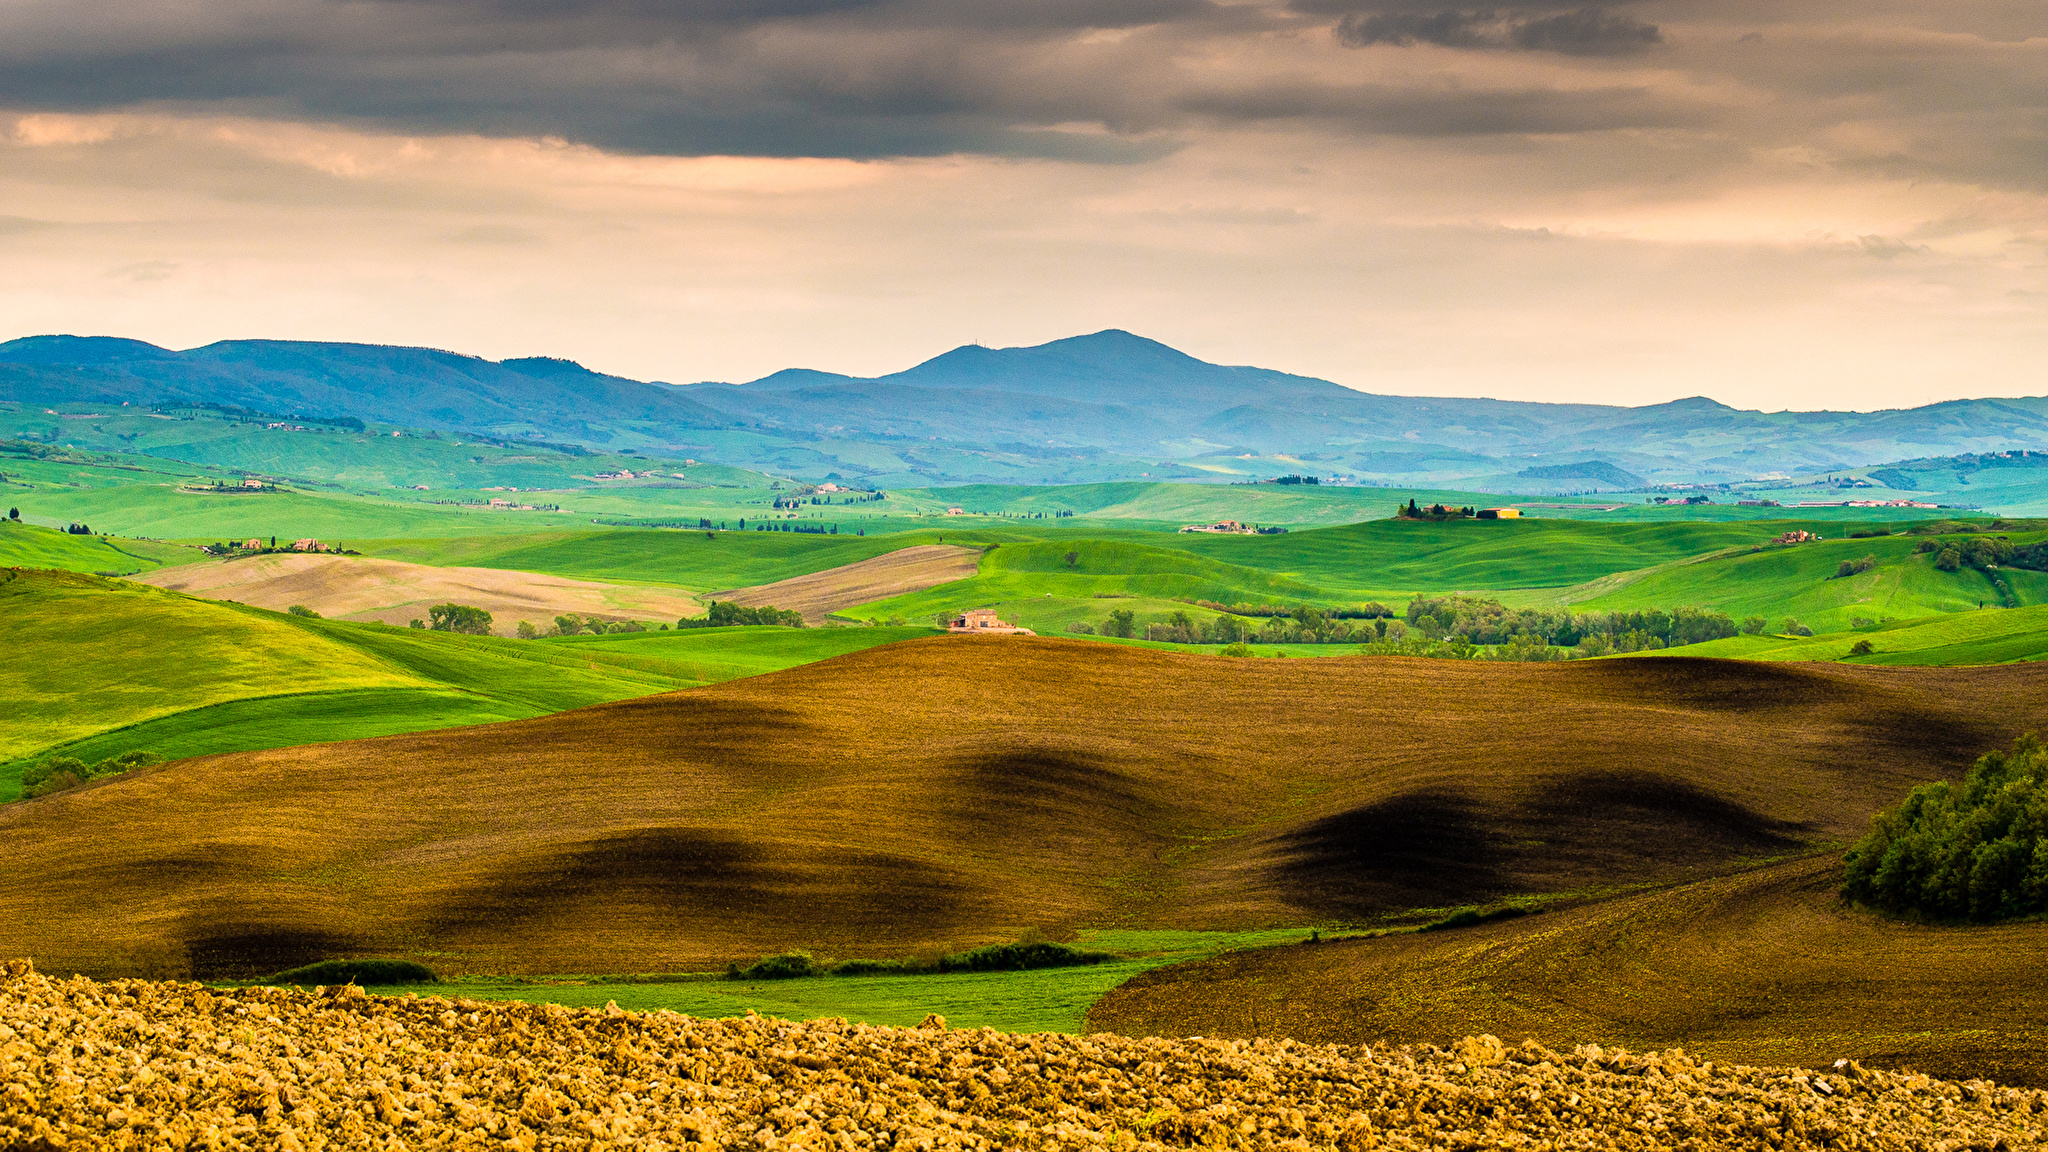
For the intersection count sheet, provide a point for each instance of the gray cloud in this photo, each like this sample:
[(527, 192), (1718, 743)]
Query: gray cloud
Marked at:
[(1579, 32), (1104, 81)]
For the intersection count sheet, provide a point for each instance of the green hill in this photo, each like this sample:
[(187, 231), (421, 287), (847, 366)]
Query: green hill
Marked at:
[(103, 667), (1989, 636), (30, 546), (1800, 581)]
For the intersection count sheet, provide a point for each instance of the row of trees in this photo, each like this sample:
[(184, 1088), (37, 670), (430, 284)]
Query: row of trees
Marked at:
[(724, 614), (1489, 622), (1447, 626)]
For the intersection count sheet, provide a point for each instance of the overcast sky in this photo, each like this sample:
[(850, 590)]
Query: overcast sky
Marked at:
[(1828, 203)]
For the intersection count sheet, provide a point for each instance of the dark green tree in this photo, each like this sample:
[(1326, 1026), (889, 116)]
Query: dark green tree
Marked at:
[(460, 618)]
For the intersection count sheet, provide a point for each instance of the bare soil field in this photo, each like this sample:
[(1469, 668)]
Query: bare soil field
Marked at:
[(819, 594), (955, 791), (1763, 967), (133, 1064), (365, 588)]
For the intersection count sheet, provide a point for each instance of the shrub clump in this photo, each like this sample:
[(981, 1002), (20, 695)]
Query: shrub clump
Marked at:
[(1018, 957), (371, 972), (992, 958), (1468, 917), (1971, 851), (61, 772), (781, 966)]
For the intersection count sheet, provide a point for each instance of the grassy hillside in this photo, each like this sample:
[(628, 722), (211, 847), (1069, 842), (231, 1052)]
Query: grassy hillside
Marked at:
[(1989, 636), (30, 546), (1800, 581), (955, 791), (103, 667), (1766, 967)]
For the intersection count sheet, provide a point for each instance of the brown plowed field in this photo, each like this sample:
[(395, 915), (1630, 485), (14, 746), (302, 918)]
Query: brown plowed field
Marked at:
[(135, 1064), (819, 594), (365, 588), (960, 790), (1762, 967)]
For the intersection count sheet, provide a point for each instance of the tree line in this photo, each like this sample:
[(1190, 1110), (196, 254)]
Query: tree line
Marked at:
[(1456, 627)]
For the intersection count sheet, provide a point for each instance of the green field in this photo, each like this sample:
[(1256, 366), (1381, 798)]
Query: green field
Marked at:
[(103, 667), (1045, 1000), (30, 546), (1987, 636)]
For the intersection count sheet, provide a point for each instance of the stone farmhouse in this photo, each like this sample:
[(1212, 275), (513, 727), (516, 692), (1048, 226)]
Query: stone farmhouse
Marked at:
[(985, 622)]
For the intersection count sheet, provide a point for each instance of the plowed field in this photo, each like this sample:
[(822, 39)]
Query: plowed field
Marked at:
[(954, 791), (133, 1064), (366, 588), (819, 594), (1764, 967)]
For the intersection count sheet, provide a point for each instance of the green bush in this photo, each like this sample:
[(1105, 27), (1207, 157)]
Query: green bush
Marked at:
[(1467, 917), (781, 966), (1861, 648), (723, 614), (302, 610), (1018, 957), (1238, 649), (357, 972), (1971, 851), (459, 618), (61, 772)]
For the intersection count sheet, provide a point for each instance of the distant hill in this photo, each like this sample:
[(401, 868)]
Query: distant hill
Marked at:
[(1111, 405), (1596, 473)]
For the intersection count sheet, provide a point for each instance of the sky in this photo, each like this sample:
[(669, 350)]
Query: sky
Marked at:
[(1797, 204)]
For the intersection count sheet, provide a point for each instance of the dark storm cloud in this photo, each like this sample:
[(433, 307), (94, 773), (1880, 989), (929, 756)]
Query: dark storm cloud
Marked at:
[(1580, 32), (877, 78), (1394, 111)]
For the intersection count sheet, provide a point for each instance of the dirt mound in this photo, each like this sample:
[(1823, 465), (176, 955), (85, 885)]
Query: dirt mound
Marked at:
[(137, 1064), (939, 794), (819, 594), (366, 588), (1762, 967)]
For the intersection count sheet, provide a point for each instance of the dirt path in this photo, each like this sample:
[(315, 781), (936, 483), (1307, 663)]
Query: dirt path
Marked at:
[(365, 588), (820, 594), (133, 1064)]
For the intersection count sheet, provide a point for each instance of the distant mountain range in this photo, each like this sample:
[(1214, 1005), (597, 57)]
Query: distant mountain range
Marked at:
[(1107, 406)]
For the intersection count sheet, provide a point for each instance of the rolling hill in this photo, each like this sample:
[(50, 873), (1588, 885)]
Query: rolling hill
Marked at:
[(961, 790), (1765, 967), (1105, 406), (101, 667)]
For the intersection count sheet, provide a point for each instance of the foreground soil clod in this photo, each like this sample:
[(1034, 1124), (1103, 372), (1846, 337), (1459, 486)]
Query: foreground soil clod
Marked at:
[(137, 1064)]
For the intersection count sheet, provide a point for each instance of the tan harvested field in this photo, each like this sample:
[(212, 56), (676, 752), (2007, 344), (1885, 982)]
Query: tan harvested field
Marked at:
[(140, 1065), (366, 588), (962, 790), (1762, 967), (819, 594)]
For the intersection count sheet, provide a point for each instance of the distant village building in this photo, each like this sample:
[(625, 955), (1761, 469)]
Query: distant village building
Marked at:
[(828, 486), (1224, 527), (956, 512), (1796, 536), (252, 483), (1499, 514), (985, 622), (308, 545), (252, 544)]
